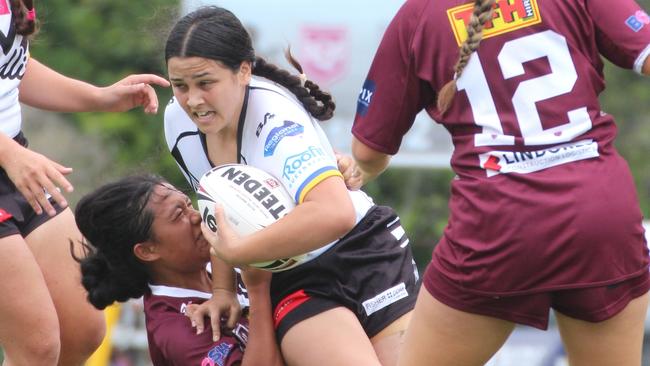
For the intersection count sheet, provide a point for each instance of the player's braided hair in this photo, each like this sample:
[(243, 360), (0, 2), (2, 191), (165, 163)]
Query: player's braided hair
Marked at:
[(24, 25), (317, 102), (113, 219), (215, 33), (483, 10)]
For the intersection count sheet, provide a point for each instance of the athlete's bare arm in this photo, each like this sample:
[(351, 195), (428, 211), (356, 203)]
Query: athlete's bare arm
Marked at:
[(370, 162)]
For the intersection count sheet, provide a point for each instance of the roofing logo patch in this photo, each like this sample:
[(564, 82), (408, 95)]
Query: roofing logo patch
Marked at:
[(509, 15)]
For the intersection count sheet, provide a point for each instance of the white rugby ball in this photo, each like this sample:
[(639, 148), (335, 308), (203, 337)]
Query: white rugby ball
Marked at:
[(251, 199)]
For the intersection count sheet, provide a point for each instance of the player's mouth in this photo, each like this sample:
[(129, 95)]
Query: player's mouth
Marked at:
[(203, 116)]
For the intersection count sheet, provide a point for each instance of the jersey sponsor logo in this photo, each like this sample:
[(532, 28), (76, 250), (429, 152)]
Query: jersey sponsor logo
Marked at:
[(637, 21), (217, 355), (385, 298), (183, 309), (509, 15), (503, 162), (241, 333), (267, 117), (14, 66), (278, 133), (365, 96), (4, 215), (257, 189), (298, 164)]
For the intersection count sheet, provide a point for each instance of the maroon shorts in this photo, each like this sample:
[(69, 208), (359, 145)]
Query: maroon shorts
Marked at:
[(16, 215), (592, 304)]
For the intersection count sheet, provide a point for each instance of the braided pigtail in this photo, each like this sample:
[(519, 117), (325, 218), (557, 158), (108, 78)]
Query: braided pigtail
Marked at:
[(483, 10), (24, 17), (317, 102), (215, 33)]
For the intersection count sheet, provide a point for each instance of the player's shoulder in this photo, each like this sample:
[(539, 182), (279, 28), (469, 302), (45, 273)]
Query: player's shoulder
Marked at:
[(176, 118), (176, 121), (269, 97)]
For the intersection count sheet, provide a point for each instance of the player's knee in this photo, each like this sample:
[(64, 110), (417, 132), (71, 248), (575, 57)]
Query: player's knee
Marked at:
[(79, 342), (87, 338), (41, 350)]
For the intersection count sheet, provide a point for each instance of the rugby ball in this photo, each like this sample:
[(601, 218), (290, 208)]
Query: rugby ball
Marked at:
[(251, 199)]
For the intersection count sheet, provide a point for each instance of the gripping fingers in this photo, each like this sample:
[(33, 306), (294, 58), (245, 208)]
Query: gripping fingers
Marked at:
[(216, 327), (198, 321)]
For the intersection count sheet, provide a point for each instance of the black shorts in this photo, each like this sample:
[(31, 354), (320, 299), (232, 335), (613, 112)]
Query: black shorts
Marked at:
[(370, 271), (16, 214)]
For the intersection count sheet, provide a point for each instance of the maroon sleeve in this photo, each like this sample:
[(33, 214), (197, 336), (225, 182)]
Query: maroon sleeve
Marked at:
[(622, 31), (392, 94), (178, 345)]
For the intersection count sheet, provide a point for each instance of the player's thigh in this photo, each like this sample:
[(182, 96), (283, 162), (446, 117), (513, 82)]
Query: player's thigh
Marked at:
[(29, 324), (82, 326), (615, 341), (441, 335), (388, 342), (333, 337)]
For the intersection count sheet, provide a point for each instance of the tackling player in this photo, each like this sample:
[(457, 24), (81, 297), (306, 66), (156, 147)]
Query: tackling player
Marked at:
[(543, 211), (143, 238)]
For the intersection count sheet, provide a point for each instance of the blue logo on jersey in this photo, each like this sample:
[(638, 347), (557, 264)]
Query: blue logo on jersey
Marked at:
[(365, 96), (217, 355), (278, 133), (637, 21), (297, 164)]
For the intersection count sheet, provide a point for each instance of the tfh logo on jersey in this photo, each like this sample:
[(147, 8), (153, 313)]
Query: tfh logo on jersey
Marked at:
[(508, 15), (278, 133)]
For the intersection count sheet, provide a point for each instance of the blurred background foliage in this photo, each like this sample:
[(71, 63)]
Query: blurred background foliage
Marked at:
[(101, 41)]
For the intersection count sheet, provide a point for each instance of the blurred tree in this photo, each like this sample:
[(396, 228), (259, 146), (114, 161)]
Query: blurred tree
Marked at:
[(101, 41)]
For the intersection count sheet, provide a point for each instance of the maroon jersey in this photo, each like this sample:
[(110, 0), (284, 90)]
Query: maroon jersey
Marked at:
[(173, 341), (541, 200)]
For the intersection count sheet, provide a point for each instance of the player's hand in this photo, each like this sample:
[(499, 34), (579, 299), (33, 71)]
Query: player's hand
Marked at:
[(132, 91), (222, 305), (33, 175), (224, 242), (351, 174)]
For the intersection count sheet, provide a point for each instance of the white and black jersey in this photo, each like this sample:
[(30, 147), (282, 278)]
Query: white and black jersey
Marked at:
[(13, 61), (275, 134)]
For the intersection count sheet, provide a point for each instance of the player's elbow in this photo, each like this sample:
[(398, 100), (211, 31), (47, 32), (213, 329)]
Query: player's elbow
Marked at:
[(341, 218)]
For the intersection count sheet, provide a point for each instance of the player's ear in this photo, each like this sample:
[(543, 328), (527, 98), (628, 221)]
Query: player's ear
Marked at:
[(245, 72), (146, 252)]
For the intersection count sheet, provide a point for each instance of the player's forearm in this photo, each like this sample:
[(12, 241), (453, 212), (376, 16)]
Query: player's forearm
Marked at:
[(223, 275), (262, 348), (645, 70), (44, 88), (370, 162)]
